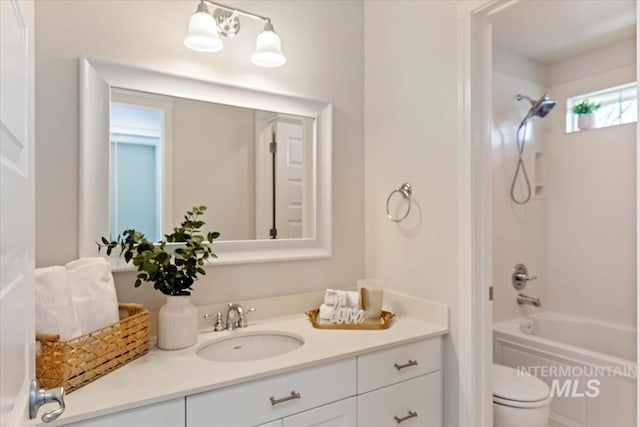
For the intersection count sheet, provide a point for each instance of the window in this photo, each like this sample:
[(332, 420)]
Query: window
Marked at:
[(137, 151), (618, 105)]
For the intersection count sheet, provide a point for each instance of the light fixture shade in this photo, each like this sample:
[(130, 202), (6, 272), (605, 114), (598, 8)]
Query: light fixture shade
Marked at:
[(268, 49), (203, 33)]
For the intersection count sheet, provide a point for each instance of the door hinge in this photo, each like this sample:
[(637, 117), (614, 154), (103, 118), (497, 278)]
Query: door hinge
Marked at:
[(490, 293)]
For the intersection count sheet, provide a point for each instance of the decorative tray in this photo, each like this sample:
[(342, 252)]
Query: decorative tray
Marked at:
[(382, 323)]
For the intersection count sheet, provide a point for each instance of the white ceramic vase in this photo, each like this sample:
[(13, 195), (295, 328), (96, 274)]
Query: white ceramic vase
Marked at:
[(586, 121), (177, 323)]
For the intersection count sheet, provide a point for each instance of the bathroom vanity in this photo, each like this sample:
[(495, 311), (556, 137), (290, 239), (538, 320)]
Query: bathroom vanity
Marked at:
[(337, 378)]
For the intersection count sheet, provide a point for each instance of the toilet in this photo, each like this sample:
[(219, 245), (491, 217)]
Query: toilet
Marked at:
[(519, 399)]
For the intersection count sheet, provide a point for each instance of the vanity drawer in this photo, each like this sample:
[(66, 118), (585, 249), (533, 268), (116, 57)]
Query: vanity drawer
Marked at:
[(164, 414), (413, 403), (250, 403), (397, 364)]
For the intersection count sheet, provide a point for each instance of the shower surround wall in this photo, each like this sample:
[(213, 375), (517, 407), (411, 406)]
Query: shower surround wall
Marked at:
[(592, 211), (519, 231), (580, 238)]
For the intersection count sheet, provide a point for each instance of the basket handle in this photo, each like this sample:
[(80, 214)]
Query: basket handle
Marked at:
[(130, 306), (41, 336)]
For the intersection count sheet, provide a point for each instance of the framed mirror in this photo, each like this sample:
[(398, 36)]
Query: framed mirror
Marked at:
[(152, 145)]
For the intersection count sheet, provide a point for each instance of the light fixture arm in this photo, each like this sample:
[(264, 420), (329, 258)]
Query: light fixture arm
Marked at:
[(238, 11)]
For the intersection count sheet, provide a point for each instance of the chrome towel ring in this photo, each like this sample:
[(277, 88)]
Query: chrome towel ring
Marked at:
[(405, 191)]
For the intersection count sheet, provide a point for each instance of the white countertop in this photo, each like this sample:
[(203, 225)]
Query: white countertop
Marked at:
[(163, 375)]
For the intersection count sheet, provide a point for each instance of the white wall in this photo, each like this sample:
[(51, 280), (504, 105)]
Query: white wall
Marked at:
[(592, 215), (215, 144), (411, 127), (321, 64), (519, 231), (592, 63)]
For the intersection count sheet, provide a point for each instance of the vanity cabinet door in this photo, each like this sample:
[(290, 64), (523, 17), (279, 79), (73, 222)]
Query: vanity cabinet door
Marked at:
[(338, 414), (276, 423), (165, 414), (412, 403)]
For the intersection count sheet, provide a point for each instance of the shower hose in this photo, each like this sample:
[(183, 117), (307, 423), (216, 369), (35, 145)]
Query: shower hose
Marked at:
[(520, 168)]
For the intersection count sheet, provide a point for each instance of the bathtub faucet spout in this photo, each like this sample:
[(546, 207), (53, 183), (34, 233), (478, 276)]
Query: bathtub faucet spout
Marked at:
[(526, 300)]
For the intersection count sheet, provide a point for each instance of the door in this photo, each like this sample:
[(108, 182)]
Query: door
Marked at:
[(339, 414), (289, 176), (16, 210)]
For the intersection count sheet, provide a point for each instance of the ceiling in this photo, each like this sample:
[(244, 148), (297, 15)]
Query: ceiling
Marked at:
[(550, 30)]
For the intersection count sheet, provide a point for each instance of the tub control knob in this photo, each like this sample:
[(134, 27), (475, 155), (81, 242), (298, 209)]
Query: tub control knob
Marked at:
[(520, 277)]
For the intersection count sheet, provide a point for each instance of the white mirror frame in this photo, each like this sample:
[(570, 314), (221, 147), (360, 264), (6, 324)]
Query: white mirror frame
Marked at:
[(97, 77)]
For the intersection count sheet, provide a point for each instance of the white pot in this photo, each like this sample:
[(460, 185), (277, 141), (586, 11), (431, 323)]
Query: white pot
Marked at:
[(177, 323), (586, 121)]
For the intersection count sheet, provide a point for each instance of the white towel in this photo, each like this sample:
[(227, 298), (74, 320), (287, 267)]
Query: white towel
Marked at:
[(93, 293), (55, 313), (325, 312), (344, 298)]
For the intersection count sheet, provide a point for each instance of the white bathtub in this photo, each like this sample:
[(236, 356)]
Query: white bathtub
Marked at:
[(590, 366)]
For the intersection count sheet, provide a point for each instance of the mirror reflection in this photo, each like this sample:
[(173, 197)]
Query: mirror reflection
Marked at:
[(253, 169)]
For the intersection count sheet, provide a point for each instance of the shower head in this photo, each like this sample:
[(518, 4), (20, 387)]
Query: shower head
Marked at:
[(539, 108)]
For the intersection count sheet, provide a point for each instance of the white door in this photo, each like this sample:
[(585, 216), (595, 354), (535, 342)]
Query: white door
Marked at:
[(290, 164), (339, 414), (16, 210), (294, 174)]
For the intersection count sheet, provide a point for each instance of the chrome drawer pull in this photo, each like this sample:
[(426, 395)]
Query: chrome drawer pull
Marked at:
[(408, 417), (292, 396), (406, 365)]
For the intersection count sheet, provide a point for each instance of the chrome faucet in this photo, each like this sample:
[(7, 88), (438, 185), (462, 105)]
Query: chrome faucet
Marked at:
[(526, 300), (237, 316)]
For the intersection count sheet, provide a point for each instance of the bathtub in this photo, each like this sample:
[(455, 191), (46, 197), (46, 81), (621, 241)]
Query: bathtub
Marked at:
[(589, 365)]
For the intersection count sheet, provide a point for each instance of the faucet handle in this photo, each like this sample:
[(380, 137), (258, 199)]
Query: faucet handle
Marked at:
[(220, 324), (520, 277), (242, 322)]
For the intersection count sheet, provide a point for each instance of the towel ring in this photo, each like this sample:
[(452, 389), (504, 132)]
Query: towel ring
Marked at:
[(405, 192)]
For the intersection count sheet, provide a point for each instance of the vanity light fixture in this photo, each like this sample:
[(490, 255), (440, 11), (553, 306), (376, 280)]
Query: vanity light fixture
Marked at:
[(205, 29)]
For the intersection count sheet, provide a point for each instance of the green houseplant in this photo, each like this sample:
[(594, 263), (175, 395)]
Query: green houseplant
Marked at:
[(172, 272), (585, 111), (585, 107)]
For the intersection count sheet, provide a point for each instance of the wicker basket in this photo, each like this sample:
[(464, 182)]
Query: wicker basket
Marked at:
[(76, 362)]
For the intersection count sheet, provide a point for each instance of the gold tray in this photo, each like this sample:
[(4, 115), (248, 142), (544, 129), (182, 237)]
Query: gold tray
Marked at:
[(382, 323)]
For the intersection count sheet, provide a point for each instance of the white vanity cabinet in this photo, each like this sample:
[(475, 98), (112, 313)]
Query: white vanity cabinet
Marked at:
[(277, 397), (164, 414), (401, 386), (397, 386), (338, 414), (276, 423)]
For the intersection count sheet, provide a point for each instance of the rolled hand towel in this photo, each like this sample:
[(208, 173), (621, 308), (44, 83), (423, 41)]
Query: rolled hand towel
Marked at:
[(55, 313), (93, 293), (325, 312)]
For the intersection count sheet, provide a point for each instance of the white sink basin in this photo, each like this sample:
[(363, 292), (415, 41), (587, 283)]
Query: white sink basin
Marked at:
[(249, 346)]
